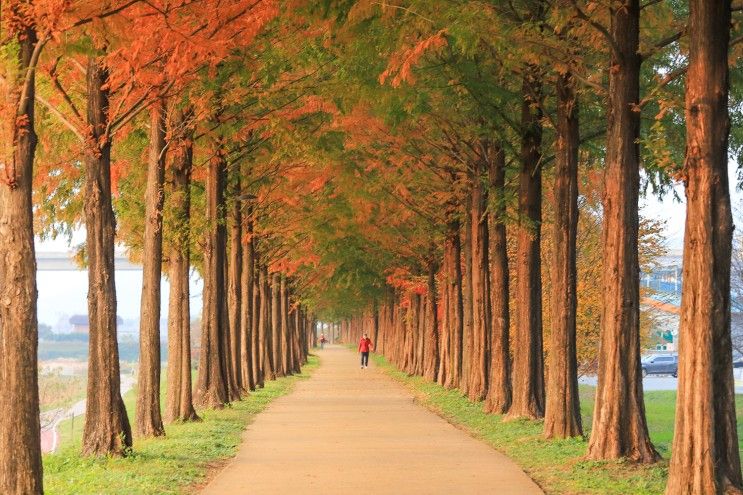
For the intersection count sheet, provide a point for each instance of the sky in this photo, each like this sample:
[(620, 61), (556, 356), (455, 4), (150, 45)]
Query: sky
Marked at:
[(674, 212)]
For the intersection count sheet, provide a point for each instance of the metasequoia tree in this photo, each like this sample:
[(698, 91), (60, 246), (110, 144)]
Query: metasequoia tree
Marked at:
[(179, 403), (149, 419), (706, 458), (528, 368), (20, 469), (498, 399), (619, 425), (562, 410), (212, 387)]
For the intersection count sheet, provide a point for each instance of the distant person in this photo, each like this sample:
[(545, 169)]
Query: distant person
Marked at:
[(365, 344), (322, 341)]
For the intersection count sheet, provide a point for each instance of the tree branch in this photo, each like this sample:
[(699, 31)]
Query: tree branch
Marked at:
[(61, 118)]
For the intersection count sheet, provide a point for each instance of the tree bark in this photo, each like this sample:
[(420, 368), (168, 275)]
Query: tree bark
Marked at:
[(107, 430), (179, 404), (705, 458), (453, 251), (480, 264), (619, 427), (431, 347), (234, 288), (246, 304), (257, 336), (20, 435), (528, 369), (562, 415), (286, 336), (498, 399), (467, 302), (267, 364), (276, 339), (149, 419), (212, 388)]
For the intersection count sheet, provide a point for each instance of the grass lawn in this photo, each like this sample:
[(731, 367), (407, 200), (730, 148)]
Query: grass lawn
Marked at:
[(167, 465), (558, 466)]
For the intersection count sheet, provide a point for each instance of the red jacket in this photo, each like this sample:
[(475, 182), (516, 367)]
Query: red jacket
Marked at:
[(365, 344)]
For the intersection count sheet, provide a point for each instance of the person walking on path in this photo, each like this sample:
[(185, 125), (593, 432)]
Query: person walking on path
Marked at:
[(322, 341), (365, 344)]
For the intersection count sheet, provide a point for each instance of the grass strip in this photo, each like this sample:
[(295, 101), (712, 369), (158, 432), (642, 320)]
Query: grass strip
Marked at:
[(170, 465), (558, 466)]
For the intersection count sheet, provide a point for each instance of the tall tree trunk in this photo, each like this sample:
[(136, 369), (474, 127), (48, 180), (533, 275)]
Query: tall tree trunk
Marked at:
[(705, 458), (297, 348), (212, 389), (107, 430), (562, 415), (467, 303), (276, 340), (246, 304), (456, 304), (619, 427), (149, 419), (257, 350), (480, 286), (235, 287), (498, 399), (286, 343), (20, 442), (431, 349), (179, 404), (267, 364), (528, 368), (376, 325)]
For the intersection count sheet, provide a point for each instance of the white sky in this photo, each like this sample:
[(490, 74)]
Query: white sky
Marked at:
[(674, 213)]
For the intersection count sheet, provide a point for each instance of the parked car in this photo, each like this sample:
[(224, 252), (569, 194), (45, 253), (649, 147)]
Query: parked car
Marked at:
[(660, 365)]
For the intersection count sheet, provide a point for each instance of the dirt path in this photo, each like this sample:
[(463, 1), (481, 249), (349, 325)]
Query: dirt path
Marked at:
[(348, 430)]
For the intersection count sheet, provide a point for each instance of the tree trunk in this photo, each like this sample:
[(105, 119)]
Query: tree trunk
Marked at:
[(20, 435), (705, 458), (528, 369), (246, 304), (212, 389), (467, 303), (286, 342), (267, 364), (179, 405), (480, 350), (431, 348), (296, 324), (619, 427), (498, 399), (257, 336), (149, 419), (456, 305), (234, 289), (276, 340), (107, 430), (562, 415)]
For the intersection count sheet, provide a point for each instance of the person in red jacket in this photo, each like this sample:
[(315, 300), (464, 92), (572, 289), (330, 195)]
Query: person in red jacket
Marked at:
[(365, 345)]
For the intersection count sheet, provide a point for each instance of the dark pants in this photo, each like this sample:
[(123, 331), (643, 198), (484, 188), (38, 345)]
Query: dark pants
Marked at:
[(365, 358)]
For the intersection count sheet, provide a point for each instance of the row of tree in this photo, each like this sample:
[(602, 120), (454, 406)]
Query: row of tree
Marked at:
[(167, 84), (359, 160), (455, 315)]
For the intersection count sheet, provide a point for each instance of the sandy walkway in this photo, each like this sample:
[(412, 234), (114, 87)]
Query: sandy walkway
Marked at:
[(348, 430)]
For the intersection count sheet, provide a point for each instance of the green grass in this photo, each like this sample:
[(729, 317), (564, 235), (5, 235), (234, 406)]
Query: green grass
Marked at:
[(558, 466), (169, 465)]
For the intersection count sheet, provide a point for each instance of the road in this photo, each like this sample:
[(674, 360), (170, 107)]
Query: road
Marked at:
[(665, 382), (351, 430)]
